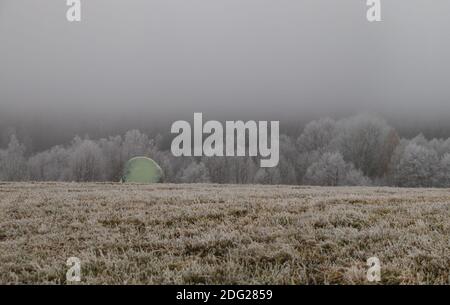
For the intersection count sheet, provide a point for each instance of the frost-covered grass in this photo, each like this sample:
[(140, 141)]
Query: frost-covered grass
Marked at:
[(219, 234)]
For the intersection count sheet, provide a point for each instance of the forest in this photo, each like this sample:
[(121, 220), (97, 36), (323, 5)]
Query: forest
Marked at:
[(361, 150)]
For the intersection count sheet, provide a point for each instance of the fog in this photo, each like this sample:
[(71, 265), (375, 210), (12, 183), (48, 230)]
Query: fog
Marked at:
[(138, 64)]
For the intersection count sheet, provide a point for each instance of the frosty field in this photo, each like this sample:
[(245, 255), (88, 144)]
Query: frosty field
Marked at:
[(222, 234)]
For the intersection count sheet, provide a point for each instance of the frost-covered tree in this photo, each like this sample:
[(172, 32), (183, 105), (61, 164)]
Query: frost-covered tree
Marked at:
[(218, 169), (112, 155), (241, 170), (362, 141), (286, 169), (135, 144), (171, 166), (417, 167), (444, 147), (267, 176), (355, 177), (13, 164), (332, 170), (420, 140), (444, 171), (195, 172), (50, 165), (288, 158), (317, 135), (86, 162), (303, 162), (327, 152)]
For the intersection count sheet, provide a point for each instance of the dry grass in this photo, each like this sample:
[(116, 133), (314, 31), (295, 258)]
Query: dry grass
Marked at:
[(173, 234)]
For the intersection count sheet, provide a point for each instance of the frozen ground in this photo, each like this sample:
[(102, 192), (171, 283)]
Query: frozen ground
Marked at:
[(220, 234)]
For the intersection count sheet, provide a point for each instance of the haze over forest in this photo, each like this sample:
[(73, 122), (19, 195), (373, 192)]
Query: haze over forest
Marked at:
[(143, 64)]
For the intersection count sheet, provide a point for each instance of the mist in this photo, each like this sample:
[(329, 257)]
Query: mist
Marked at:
[(144, 64)]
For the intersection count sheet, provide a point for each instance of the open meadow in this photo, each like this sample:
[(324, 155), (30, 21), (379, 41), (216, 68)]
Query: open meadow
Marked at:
[(222, 234)]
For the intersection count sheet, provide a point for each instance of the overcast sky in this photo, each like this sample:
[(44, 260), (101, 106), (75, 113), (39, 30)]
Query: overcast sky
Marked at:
[(224, 57)]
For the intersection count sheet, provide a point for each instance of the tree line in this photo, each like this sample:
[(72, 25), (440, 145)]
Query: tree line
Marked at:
[(361, 150)]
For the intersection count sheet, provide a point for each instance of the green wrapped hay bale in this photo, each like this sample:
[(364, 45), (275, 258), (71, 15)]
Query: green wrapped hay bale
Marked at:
[(142, 170)]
